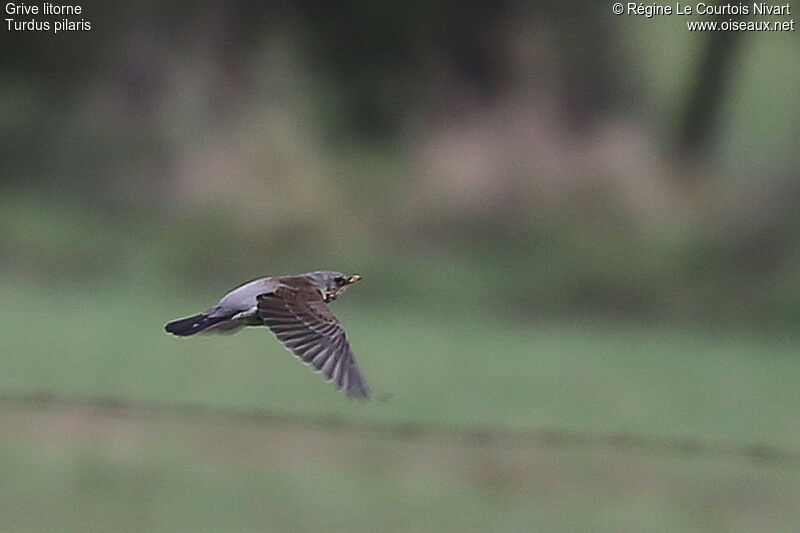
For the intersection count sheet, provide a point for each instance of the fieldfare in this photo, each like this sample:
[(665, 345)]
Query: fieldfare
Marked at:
[(293, 307)]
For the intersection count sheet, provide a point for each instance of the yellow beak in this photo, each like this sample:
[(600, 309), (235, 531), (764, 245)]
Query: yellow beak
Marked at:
[(353, 278)]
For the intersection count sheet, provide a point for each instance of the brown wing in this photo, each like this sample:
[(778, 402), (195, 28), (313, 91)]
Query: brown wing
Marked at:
[(307, 328)]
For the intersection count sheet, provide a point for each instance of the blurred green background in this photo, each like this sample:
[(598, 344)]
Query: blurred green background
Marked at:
[(566, 221)]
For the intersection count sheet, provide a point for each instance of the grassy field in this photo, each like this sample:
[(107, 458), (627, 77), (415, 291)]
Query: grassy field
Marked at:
[(78, 469)]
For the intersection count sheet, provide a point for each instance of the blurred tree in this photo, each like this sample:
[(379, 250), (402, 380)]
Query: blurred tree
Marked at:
[(591, 84), (377, 52), (705, 94)]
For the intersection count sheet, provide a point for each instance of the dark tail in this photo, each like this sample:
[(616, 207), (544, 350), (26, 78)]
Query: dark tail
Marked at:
[(191, 325)]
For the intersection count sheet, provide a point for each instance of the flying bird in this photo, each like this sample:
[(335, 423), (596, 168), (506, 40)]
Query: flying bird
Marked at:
[(293, 307)]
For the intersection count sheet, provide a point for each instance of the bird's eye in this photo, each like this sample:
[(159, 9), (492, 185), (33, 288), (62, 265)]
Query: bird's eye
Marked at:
[(339, 280)]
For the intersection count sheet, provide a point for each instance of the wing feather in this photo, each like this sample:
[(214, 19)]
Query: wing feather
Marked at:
[(300, 319)]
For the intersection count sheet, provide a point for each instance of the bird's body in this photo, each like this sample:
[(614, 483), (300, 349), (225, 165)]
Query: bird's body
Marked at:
[(293, 307)]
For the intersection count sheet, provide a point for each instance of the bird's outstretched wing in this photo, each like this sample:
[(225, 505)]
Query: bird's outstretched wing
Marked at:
[(298, 316)]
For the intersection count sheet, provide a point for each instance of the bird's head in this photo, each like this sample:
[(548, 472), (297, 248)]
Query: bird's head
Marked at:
[(331, 283)]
